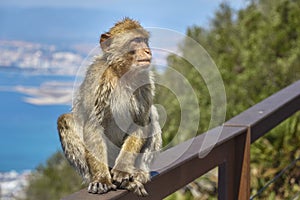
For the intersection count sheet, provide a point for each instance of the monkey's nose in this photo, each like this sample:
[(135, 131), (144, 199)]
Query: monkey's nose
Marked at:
[(147, 51)]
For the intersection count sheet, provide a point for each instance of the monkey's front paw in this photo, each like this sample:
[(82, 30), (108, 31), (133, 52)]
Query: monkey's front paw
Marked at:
[(119, 176), (131, 181), (135, 186), (97, 187), (141, 176)]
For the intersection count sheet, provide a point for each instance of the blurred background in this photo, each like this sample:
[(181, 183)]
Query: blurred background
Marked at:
[(254, 43)]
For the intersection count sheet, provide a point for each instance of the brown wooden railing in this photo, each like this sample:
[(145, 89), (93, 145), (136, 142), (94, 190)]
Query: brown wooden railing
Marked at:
[(231, 153)]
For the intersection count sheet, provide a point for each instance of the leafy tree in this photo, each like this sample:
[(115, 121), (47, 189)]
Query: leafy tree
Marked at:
[(257, 51), (53, 180)]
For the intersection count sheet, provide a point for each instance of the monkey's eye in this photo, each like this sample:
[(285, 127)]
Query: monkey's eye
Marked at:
[(137, 40), (132, 52), (140, 40)]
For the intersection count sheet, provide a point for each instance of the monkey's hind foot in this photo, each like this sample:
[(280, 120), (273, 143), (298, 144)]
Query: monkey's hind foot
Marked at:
[(96, 187)]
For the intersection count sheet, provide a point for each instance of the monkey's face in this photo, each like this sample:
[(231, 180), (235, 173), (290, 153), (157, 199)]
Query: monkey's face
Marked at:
[(140, 53), (126, 47)]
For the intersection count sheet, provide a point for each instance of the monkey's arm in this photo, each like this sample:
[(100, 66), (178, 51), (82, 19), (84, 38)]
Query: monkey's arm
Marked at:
[(124, 171), (153, 144), (124, 164)]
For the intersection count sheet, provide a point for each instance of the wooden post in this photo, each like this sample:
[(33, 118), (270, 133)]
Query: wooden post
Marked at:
[(244, 189), (234, 173)]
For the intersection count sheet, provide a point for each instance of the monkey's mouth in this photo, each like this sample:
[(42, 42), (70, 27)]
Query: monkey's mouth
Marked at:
[(144, 62)]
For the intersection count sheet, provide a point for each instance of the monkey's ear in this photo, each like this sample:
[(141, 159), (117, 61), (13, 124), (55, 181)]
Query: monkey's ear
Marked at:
[(105, 41)]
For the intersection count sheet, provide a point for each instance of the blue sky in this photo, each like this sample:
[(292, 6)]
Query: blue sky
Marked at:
[(175, 15), (100, 3)]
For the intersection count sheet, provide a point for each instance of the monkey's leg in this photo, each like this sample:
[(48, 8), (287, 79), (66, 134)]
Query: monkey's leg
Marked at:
[(80, 157), (97, 158), (72, 145)]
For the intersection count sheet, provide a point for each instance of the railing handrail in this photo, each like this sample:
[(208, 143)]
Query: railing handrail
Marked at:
[(231, 153)]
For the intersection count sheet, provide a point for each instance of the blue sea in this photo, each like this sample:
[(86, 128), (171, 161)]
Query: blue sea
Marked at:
[(28, 134)]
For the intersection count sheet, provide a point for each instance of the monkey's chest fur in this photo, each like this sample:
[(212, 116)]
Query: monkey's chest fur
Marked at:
[(128, 110), (117, 105)]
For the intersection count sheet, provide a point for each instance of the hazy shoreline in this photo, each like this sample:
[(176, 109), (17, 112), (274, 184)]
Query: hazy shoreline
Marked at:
[(12, 184)]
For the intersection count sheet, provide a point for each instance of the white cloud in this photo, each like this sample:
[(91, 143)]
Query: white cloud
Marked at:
[(49, 93)]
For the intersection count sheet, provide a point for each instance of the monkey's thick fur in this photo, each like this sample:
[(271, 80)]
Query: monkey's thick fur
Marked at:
[(112, 134)]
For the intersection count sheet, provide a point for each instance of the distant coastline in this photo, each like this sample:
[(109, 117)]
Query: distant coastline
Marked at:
[(12, 184), (36, 86)]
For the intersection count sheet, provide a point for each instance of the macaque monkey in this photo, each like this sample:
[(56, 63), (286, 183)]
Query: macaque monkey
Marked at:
[(112, 133)]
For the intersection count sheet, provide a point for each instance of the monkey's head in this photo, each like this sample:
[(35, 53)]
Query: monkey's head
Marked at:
[(126, 46)]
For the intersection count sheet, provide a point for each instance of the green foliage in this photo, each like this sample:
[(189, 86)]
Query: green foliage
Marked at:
[(54, 180), (257, 51)]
